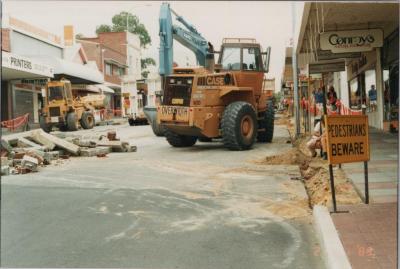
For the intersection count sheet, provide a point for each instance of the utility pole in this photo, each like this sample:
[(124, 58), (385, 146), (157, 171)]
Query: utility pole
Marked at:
[(295, 79)]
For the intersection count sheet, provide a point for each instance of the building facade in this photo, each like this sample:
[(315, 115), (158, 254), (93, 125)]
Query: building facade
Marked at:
[(30, 57), (354, 48), (117, 55)]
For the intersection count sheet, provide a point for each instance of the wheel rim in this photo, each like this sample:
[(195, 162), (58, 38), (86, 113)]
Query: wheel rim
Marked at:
[(90, 120), (247, 127)]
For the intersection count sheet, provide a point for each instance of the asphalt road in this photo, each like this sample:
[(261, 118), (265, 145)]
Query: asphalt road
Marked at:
[(161, 207)]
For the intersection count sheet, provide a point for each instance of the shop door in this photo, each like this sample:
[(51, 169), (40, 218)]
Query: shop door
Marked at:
[(23, 103), (4, 101)]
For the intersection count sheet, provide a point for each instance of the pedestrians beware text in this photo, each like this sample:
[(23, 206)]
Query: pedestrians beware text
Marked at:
[(347, 138)]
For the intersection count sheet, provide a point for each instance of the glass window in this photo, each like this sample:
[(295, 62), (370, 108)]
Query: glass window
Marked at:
[(231, 59), (55, 93), (108, 69), (251, 58)]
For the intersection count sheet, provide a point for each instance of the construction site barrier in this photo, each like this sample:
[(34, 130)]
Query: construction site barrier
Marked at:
[(13, 124)]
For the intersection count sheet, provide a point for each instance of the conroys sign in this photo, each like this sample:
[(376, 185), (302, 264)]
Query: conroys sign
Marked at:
[(351, 41)]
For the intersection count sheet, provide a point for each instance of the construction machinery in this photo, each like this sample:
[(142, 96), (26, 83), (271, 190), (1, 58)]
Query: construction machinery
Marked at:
[(225, 100), (228, 102), (188, 37), (60, 109)]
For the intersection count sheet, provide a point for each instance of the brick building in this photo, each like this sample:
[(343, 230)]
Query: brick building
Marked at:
[(117, 55)]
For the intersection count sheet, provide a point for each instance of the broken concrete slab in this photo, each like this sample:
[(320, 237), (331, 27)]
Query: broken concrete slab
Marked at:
[(6, 146), (90, 152), (70, 147), (116, 146), (5, 170), (29, 163), (39, 137), (26, 143)]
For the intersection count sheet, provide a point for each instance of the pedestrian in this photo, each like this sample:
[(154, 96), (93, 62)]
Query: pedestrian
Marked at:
[(319, 99), (332, 98), (315, 141), (372, 98)]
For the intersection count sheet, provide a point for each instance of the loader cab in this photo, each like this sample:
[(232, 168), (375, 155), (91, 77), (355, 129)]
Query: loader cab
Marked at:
[(244, 58), (58, 92)]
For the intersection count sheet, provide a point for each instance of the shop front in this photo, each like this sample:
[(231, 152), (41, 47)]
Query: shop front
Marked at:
[(22, 80), (390, 68)]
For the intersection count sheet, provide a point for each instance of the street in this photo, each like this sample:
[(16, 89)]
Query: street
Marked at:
[(160, 207)]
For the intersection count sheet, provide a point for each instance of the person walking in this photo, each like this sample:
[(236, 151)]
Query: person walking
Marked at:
[(319, 99), (372, 95), (332, 98)]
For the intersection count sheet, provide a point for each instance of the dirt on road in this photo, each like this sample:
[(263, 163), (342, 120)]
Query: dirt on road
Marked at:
[(314, 172)]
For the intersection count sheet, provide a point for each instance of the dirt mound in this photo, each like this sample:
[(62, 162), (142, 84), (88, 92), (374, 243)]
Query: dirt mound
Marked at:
[(315, 175)]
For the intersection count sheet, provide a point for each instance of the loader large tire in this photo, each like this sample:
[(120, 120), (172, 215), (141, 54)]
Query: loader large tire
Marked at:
[(72, 123), (239, 126), (45, 126), (158, 130), (267, 123), (87, 120), (179, 141)]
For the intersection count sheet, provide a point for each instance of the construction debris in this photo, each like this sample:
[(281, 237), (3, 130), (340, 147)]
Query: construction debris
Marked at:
[(26, 152)]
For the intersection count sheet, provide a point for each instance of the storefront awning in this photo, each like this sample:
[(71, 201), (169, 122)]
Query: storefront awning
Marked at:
[(104, 88), (76, 73), (14, 66)]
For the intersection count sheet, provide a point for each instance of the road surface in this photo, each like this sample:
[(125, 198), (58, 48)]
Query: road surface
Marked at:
[(161, 207)]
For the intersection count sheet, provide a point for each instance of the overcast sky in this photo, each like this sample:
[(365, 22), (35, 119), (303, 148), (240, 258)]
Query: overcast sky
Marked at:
[(269, 22)]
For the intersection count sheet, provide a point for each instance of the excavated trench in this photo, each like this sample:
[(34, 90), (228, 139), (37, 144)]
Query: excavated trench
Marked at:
[(314, 172)]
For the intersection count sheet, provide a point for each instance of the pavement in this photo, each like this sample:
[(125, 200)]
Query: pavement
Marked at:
[(368, 233), (160, 207)]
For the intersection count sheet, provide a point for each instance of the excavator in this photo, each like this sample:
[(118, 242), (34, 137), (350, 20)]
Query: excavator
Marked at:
[(188, 37), (226, 100)]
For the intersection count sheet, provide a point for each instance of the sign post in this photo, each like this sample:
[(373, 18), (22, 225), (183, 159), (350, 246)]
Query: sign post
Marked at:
[(348, 141)]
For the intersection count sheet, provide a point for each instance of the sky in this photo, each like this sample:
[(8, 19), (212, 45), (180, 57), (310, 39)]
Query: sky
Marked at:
[(270, 23)]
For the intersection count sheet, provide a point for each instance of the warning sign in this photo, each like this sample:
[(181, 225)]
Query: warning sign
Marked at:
[(347, 138)]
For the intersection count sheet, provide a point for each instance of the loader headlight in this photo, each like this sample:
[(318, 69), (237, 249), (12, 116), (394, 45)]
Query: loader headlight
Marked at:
[(189, 81), (172, 81)]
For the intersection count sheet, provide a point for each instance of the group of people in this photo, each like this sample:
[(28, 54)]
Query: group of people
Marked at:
[(318, 138), (331, 97)]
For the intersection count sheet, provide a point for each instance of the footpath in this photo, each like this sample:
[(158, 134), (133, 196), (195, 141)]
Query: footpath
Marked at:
[(368, 232)]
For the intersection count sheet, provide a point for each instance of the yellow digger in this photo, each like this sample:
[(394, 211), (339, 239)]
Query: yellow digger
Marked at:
[(60, 109)]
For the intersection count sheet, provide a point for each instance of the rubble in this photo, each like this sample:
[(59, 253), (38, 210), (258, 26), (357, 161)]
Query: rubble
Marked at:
[(26, 152)]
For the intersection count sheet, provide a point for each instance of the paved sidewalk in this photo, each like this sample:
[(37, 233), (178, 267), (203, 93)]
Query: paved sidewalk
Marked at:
[(368, 234), (382, 168)]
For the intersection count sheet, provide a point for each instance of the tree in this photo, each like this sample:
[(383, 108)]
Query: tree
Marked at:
[(145, 73), (119, 23), (79, 36), (103, 28), (146, 62)]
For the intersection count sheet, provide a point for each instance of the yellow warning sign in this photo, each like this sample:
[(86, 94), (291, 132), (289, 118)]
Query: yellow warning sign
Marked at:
[(347, 138)]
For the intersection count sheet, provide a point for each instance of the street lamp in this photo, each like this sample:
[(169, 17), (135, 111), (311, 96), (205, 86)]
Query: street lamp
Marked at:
[(128, 12)]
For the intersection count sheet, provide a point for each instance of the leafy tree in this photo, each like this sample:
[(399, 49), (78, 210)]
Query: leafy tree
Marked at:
[(79, 36), (146, 62), (119, 23), (145, 73), (103, 28)]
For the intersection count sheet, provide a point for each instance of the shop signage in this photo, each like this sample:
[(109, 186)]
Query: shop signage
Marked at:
[(328, 67), (351, 41), (347, 138), (328, 55), (25, 64)]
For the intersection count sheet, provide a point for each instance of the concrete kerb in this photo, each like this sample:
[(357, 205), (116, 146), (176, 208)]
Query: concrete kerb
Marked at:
[(332, 249)]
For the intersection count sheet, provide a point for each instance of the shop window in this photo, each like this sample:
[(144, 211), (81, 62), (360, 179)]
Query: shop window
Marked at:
[(108, 69)]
